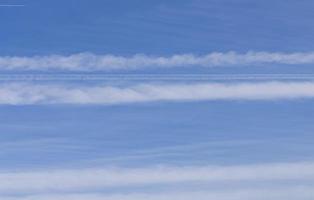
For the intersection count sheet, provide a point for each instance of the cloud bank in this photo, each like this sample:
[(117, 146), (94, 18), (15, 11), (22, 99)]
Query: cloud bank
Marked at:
[(92, 62), (61, 184), (19, 94)]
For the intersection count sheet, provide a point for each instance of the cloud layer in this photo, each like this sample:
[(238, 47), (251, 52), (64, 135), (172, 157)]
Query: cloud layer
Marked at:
[(91, 62), (19, 94), (287, 193), (60, 184), (63, 180)]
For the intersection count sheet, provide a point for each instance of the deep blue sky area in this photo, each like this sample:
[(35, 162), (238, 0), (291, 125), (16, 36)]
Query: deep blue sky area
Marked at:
[(155, 27)]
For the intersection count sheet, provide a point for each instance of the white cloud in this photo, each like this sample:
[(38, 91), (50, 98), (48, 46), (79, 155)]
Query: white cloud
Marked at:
[(90, 62), (17, 94), (89, 179)]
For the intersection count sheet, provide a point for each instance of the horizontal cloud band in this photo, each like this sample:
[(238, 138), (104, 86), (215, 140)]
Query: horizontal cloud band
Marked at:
[(19, 94), (89, 179), (90, 62), (286, 193)]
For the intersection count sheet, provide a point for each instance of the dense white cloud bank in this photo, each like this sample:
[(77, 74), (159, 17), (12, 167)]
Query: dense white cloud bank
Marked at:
[(19, 94), (91, 62)]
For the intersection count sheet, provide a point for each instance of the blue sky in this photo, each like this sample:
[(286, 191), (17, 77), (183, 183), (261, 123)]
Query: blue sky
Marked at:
[(155, 27), (134, 100)]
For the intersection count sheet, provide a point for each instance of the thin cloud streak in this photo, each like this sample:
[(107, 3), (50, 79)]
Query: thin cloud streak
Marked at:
[(153, 77), (91, 62), (12, 5), (287, 193), (23, 94)]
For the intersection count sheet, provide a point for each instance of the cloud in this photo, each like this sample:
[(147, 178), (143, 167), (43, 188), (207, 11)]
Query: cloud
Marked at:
[(287, 193), (19, 94), (91, 62), (63, 180)]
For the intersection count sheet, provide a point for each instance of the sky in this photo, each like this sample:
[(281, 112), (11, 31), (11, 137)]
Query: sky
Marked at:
[(156, 100)]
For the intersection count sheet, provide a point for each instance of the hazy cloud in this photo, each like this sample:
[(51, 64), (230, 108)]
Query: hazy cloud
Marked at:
[(77, 179), (18, 94)]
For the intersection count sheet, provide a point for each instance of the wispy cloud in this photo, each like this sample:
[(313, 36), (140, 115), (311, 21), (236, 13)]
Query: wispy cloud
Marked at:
[(12, 5), (87, 180), (90, 62), (64, 94)]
